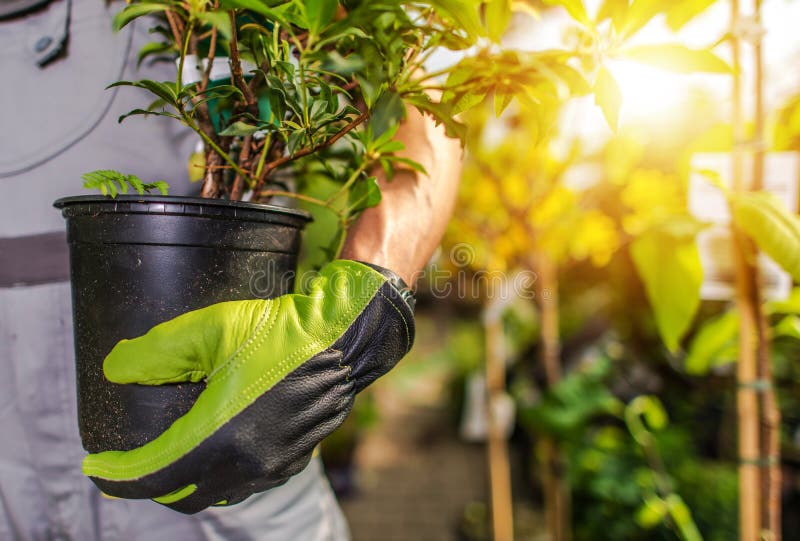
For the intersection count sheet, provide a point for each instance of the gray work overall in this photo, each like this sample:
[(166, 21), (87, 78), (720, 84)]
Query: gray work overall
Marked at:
[(56, 123)]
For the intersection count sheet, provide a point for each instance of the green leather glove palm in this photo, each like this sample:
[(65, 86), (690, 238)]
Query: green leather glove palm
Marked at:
[(281, 375)]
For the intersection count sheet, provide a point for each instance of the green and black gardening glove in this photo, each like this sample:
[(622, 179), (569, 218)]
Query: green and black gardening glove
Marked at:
[(281, 375)]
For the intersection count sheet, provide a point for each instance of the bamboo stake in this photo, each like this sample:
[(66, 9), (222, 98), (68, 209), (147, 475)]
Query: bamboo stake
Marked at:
[(557, 493), (770, 422), (750, 488), (746, 372), (497, 446)]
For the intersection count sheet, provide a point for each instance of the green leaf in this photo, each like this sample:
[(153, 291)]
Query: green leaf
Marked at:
[(259, 6), (572, 78), (134, 181), (152, 48), (614, 10), (319, 107), (498, 15), (774, 229), (411, 164), (380, 139), (787, 125), (144, 112), (320, 13), (196, 166), (608, 96), (677, 58), (218, 19), (286, 67), (365, 194), (134, 11), (639, 14), (464, 101), (682, 518), (370, 90), (214, 92), (790, 305), (651, 513), (680, 12), (442, 113), (715, 344), (501, 101), (464, 13), (240, 128), (333, 36), (569, 407), (459, 78), (160, 185), (103, 180), (111, 182), (295, 141), (575, 8), (387, 113), (165, 90), (788, 327), (337, 63), (672, 274), (391, 146), (653, 412)]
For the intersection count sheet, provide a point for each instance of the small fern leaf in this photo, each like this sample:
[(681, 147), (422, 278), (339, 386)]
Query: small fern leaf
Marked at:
[(137, 183), (112, 183)]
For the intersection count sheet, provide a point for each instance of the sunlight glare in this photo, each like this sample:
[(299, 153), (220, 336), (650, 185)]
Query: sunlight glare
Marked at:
[(648, 94)]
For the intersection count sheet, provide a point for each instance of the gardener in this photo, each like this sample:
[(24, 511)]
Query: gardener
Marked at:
[(58, 55)]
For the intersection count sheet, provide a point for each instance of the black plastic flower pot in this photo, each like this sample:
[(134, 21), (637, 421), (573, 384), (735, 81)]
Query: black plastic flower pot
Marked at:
[(141, 260)]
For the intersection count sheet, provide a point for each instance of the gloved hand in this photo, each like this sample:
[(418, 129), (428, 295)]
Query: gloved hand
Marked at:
[(281, 375)]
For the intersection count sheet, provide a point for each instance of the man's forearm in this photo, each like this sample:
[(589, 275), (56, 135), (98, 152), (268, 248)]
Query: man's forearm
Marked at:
[(402, 232)]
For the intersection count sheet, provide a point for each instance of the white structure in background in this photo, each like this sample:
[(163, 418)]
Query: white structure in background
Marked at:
[(707, 203)]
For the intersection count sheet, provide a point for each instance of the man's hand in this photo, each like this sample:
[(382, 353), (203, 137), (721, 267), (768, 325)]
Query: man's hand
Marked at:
[(281, 375)]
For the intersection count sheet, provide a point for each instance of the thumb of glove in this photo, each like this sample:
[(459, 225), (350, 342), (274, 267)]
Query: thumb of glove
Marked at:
[(189, 347)]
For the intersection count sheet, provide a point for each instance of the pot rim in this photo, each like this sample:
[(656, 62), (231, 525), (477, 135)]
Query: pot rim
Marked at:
[(196, 205)]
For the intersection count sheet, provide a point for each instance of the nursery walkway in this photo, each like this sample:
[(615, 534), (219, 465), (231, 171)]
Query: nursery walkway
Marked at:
[(415, 476), (414, 479)]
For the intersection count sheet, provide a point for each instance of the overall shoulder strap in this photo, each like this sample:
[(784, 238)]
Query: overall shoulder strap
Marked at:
[(47, 22), (12, 8)]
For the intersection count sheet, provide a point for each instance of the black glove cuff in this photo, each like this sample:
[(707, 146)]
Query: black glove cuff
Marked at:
[(398, 283)]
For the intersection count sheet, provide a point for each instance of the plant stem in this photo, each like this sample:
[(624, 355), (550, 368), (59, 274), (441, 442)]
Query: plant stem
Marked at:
[(182, 60), (304, 93), (237, 190), (263, 158), (433, 74), (349, 182), (212, 51), (299, 196), (276, 49), (310, 150), (210, 142), (236, 65), (173, 26), (344, 224), (211, 184)]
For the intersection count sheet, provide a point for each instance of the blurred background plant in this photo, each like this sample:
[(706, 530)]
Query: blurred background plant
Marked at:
[(624, 381)]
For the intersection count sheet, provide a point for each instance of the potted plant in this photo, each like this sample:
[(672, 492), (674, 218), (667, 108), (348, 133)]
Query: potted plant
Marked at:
[(279, 92)]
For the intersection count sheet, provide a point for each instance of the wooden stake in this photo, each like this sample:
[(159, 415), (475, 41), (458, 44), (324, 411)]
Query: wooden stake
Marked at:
[(770, 421), (750, 519), (556, 489), (497, 446)]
